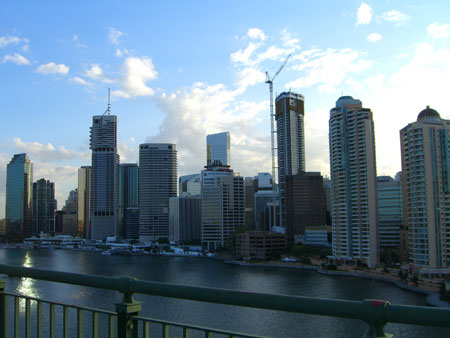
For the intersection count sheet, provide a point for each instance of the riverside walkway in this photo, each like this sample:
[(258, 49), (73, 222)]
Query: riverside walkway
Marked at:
[(125, 321)]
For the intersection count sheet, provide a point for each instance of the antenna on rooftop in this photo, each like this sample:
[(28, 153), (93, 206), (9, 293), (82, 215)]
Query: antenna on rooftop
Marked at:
[(108, 110)]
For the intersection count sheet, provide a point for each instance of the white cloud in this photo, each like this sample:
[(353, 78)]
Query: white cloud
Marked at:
[(364, 14), (248, 77), (397, 17), (288, 40), (95, 72), (53, 68), (256, 34), (135, 74), (46, 152), (375, 81), (80, 81), (114, 36), (17, 59), (210, 109), (243, 56), (327, 68), (7, 40), (121, 52), (374, 37), (437, 31), (128, 150)]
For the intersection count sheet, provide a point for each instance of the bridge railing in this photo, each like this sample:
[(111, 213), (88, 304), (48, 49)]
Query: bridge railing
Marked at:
[(126, 320)]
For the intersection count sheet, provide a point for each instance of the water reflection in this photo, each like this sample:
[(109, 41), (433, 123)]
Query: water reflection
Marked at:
[(27, 286)]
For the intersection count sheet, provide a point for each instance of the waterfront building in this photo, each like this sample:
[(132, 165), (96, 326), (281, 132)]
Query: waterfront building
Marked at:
[(157, 184), (261, 199), (327, 189), (70, 215), (84, 201), (185, 218), (189, 185), (44, 206), (426, 190), (131, 223), (305, 203), (105, 177), (260, 245), (218, 149), (19, 185), (289, 116), (317, 236), (353, 179), (390, 211), (250, 187), (128, 195)]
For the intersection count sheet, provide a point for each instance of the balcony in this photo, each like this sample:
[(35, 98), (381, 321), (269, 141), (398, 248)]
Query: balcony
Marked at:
[(64, 320)]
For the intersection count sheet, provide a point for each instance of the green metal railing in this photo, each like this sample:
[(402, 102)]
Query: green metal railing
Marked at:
[(376, 313)]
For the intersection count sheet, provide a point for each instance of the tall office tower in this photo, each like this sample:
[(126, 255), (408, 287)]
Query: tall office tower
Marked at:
[(189, 185), (426, 189), (105, 177), (128, 194), (390, 211), (218, 149), (249, 197), (84, 201), (305, 204), (70, 215), (44, 206), (157, 184), (19, 185), (261, 199), (289, 115), (354, 181), (222, 206), (185, 218)]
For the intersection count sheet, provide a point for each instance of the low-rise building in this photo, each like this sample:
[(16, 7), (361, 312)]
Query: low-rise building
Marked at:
[(260, 245)]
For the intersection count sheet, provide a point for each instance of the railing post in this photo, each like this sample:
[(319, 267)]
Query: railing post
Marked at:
[(127, 326), (4, 322), (374, 313)]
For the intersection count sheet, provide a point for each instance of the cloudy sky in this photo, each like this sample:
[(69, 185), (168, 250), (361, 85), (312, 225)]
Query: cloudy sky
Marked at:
[(180, 70)]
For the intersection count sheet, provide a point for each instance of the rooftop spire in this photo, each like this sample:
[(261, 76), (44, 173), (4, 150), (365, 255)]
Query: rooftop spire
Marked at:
[(108, 110)]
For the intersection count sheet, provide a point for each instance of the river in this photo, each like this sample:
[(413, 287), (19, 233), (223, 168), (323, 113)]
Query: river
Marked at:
[(212, 273)]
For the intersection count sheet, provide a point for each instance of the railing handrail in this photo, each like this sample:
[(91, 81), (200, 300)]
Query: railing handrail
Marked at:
[(371, 311)]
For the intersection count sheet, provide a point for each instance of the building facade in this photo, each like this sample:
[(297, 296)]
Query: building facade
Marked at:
[(353, 180), (44, 206), (289, 116), (84, 201), (185, 218), (157, 184), (128, 197), (260, 245), (425, 147), (390, 211), (218, 149), (105, 177), (305, 203), (70, 215), (189, 185), (19, 185)]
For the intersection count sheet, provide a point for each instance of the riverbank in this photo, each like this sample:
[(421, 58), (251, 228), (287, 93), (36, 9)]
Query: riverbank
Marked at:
[(432, 297)]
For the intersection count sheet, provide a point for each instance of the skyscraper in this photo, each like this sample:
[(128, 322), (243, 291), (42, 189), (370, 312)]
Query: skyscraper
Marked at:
[(354, 181), (105, 177), (218, 149), (44, 206), (425, 146), (390, 211), (70, 215), (84, 201), (128, 192), (157, 183), (289, 116), (189, 185), (19, 185)]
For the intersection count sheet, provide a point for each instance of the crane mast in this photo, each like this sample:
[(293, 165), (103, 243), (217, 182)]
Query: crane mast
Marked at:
[(273, 131)]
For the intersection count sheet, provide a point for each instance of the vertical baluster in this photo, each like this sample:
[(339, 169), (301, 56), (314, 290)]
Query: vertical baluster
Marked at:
[(186, 332), (146, 329), (52, 321), (16, 316), (4, 322), (165, 331), (66, 322), (80, 323), (94, 324), (27, 318), (39, 319), (208, 334), (111, 326)]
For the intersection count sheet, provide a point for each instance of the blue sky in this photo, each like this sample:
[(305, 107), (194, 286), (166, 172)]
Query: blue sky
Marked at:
[(181, 70)]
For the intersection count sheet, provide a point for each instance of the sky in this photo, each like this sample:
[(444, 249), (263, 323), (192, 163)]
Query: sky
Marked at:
[(179, 70)]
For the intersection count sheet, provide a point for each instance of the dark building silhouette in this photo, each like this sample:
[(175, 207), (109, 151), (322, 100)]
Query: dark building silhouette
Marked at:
[(44, 206)]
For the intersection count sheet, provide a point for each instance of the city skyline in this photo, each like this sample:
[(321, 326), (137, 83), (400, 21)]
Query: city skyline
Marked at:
[(394, 57)]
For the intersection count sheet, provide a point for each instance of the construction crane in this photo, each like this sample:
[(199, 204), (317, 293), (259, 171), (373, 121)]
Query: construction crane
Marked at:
[(272, 118)]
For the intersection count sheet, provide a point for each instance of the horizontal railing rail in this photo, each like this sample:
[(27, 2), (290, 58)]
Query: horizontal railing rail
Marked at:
[(374, 312)]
